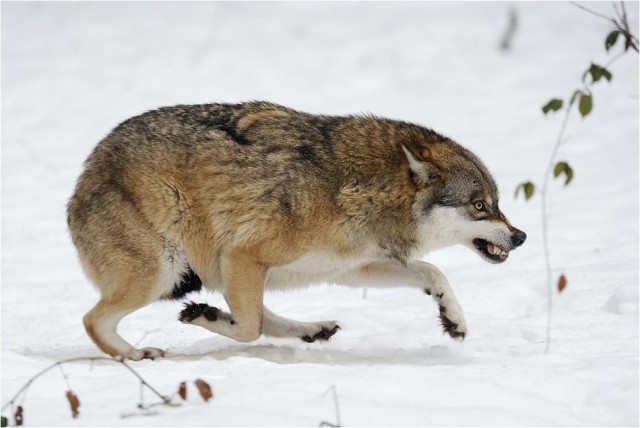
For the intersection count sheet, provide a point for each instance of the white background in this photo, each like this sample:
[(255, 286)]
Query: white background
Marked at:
[(72, 71)]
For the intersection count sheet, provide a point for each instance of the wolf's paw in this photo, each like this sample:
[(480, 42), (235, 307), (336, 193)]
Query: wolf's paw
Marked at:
[(193, 310), (324, 333), (453, 323), (144, 354)]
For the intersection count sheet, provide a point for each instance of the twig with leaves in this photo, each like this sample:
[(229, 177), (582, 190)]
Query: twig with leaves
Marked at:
[(620, 22), (583, 98), (17, 401)]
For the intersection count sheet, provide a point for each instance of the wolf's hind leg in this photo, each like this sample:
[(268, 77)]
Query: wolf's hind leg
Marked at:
[(121, 253), (276, 326), (101, 324), (126, 269)]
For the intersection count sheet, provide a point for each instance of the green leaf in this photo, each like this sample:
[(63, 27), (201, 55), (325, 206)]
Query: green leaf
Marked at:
[(586, 104), (611, 39), (558, 169), (597, 72), (563, 168), (553, 105), (569, 172), (5, 421), (528, 188)]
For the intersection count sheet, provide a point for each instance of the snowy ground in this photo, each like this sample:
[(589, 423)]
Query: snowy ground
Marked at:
[(72, 71)]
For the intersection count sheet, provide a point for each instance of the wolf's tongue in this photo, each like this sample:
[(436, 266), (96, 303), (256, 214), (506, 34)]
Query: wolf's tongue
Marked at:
[(490, 248)]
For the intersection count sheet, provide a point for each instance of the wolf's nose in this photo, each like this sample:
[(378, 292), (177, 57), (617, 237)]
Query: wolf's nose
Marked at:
[(518, 238)]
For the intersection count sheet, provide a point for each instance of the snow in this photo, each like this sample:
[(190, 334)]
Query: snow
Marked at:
[(72, 71)]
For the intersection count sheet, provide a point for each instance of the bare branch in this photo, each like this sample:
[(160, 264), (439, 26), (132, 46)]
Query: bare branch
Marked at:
[(337, 408), (632, 40), (621, 23), (593, 12), (165, 400)]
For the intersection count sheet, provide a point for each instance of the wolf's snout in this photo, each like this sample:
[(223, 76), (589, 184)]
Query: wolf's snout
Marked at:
[(518, 238)]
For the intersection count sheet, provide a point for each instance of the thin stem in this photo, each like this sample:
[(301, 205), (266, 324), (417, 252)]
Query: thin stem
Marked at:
[(614, 59), (166, 400), (626, 30), (141, 405), (64, 375), (621, 24), (146, 333), (337, 408), (28, 384), (335, 401), (620, 14), (593, 12), (543, 195), (545, 238)]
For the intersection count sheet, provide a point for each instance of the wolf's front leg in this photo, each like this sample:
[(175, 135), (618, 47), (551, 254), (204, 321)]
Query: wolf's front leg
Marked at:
[(415, 274), (451, 315)]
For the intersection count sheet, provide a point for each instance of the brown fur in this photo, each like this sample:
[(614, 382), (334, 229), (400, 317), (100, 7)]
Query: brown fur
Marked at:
[(232, 191)]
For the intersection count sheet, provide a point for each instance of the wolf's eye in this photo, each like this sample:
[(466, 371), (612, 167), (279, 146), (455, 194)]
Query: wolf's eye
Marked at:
[(479, 205)]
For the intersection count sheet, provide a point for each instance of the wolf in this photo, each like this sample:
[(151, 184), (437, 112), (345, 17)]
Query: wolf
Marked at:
[(250, 197)]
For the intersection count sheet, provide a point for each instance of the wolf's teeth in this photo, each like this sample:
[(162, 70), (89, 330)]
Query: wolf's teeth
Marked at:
[(495, 250)]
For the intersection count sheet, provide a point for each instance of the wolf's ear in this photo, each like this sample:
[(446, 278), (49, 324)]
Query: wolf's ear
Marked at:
[(423, 170)]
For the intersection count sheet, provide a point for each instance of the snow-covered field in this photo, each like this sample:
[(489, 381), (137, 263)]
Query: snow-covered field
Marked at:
[(72, 71)]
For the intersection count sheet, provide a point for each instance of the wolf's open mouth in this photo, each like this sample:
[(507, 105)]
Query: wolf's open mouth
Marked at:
[(491, 251)]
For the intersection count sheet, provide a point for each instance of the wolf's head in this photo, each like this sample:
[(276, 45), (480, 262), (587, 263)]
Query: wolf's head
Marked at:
[(457, 201)]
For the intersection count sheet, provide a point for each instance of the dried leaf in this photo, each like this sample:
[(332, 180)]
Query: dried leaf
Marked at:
[(19, 416), (74, 403), (562, 283), (204, 389), (182, 390)]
